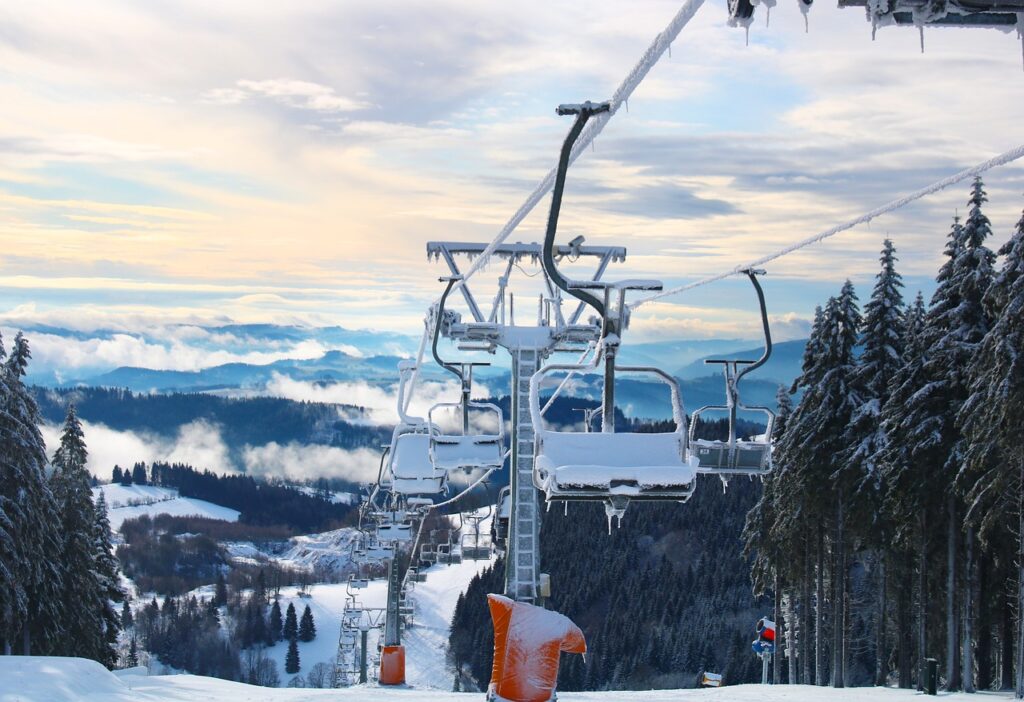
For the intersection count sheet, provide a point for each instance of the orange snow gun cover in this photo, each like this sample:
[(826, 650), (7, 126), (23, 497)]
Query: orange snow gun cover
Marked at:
[(527, 642)]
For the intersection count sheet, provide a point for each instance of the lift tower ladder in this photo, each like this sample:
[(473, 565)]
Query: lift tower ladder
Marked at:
[(528, 346)]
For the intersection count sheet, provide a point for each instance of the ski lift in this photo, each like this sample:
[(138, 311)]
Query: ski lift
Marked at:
[(499, 525), (409, 464), (467, 449), (735, 456), (394, 531), (355, 583), (611, 467), (475, 547), (428, 554)]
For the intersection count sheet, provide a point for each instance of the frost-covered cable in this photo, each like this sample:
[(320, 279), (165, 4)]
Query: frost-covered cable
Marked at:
[(1000, 160), (565, 381), (650, 57)]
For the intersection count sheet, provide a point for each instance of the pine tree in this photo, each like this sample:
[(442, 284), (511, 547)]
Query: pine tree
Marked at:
[(82, 597), (307, 629), (116, 475), (133, 653), (291, 624), (127, 620), (139, 474), (220, 594), (291, 659), (109, 580), (276, 626), (32, 612), (991, 415)]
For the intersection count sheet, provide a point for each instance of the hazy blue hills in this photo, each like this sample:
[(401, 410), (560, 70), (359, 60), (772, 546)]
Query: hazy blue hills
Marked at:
[(781, 368)]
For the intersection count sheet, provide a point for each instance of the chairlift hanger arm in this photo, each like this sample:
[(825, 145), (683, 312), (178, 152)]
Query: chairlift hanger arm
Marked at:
[(583, 113), (752, 273)]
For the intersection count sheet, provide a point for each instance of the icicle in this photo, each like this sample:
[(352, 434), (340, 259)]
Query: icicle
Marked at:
[(874, 27), (725, 483), (566, 512), (807, 24), (768, 16), (746, 30), (670, 51), (920, 30), (626, 103)]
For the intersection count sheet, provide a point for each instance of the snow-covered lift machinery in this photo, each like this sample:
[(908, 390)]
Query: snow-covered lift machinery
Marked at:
[(751, 456), (608, 466), (466, 449), (528, 346)]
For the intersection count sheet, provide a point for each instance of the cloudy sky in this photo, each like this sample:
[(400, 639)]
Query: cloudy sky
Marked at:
[(279, 161)]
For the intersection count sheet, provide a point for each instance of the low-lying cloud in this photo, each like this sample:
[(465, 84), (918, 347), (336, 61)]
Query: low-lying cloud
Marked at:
[(201, 445)]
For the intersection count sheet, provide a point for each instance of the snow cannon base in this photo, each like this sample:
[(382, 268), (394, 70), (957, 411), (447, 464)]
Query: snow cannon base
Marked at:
[(392, 665)]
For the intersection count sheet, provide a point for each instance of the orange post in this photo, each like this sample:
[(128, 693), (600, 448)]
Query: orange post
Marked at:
[(392, 665), (527, 644)]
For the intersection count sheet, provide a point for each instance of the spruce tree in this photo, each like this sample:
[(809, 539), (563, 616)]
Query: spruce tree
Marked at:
[(33, 611), (139, 474), (307, 629), (291, 623), (116, 475), (991, 415), (109, 581), (220, 594), (82, 596), (291, 659), (127, 620), (276, 625)]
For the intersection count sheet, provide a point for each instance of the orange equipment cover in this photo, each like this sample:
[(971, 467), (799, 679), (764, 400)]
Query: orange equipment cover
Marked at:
[(527, 641), (392, 665)]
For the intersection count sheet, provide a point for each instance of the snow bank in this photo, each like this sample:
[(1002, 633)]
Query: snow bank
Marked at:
[(56, 680), (34, 679), (130, 501)]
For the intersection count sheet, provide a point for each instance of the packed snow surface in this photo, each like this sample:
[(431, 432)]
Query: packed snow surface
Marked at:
[(130, 501), (34, 679)]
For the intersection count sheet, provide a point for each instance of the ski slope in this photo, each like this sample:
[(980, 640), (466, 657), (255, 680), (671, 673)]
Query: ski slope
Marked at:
[(130, 501), (425, 642), (37, 679)]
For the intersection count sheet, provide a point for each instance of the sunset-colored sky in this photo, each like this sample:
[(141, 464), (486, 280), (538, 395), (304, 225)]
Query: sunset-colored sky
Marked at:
[(288, 161)]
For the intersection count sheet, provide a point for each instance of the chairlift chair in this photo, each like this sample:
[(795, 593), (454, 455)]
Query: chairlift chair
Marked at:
[(410, 470), (735, 456), (607, 466), (465, 449), (502, 515), (476, 546)]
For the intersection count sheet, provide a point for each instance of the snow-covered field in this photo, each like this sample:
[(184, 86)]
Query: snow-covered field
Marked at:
[(126, 502), (31, 679), (425, 642)]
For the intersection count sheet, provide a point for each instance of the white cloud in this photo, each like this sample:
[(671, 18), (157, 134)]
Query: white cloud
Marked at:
[(197, 443), (381, 402), (301, 461), (300, 94)]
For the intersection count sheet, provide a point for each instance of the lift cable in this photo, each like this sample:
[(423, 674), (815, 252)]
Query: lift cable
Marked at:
[(1000, 160)]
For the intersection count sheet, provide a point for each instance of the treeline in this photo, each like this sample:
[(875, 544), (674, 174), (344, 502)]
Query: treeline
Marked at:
[(226, 636), (58, 577), (241, 421), (260, 502), (892, 529)]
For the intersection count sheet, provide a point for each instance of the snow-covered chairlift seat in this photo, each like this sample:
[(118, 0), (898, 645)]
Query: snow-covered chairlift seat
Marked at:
[(751, 456), (410, 467), (601, 465), (466, 451)]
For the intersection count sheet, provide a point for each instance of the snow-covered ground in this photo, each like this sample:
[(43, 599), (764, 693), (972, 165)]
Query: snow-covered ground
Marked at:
[(31, 679), (425, 641), (129, 501)]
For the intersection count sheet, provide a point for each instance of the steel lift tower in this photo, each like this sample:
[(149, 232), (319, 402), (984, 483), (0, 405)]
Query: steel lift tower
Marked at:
[(528, 345)]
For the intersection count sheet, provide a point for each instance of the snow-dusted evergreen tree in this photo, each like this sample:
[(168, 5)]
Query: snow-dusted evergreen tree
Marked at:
[(23, 482), (880, 360), (291, 623), (13, 599), (81, 598), (991, 417), (307, 629), (109, 582), (291, 659)]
